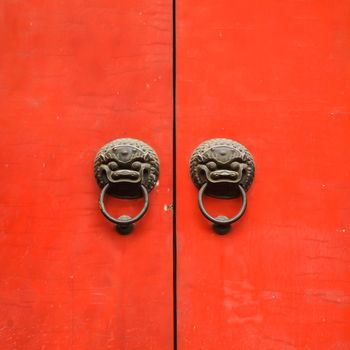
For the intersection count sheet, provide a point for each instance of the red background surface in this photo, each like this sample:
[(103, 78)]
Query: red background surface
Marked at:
[(273, 75), (75, 75)]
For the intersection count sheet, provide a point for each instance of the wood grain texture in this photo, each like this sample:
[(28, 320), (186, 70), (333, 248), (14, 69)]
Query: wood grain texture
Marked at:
[(273, 75), (73, 76)]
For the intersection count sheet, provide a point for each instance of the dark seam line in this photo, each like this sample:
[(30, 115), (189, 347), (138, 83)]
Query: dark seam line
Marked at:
[(174, 176)]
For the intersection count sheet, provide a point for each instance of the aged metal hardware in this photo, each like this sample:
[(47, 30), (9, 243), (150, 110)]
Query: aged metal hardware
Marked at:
[(126, 168), (222, 168)]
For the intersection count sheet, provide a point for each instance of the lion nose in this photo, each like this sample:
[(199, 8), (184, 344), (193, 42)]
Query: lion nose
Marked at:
[(124, 173), (224, 174)]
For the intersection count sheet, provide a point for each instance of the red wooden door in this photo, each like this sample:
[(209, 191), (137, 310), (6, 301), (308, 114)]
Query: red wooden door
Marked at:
[(74, 75), (273, 75)]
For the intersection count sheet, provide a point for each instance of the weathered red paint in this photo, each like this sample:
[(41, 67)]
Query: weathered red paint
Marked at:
[(74, 75), (273, 75)]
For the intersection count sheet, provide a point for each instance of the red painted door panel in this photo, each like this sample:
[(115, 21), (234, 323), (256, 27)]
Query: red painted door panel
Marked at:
[(74, 75), (273, 75)]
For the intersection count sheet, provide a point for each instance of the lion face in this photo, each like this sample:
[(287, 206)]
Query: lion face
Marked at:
[(221, 162), (126, 162)]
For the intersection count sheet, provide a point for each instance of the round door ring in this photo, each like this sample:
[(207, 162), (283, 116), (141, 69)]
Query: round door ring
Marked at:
[(221, 223), (124, 224)]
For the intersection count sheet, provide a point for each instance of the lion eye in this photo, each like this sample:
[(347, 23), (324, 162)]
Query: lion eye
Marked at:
[(113, 165), (136, 165), (235, 166), (211, 165)]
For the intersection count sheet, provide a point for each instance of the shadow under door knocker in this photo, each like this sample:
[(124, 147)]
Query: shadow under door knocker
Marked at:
[(222, 168), (126, 168)]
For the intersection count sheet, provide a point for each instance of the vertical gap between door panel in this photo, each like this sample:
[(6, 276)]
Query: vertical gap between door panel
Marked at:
[(174, 175)]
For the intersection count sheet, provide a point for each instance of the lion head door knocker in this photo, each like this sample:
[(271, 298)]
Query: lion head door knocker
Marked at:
[(222, 168), (126, 168)]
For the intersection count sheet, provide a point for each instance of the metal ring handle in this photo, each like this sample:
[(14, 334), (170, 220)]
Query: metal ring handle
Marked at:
[(124, 223), (222, 221)]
